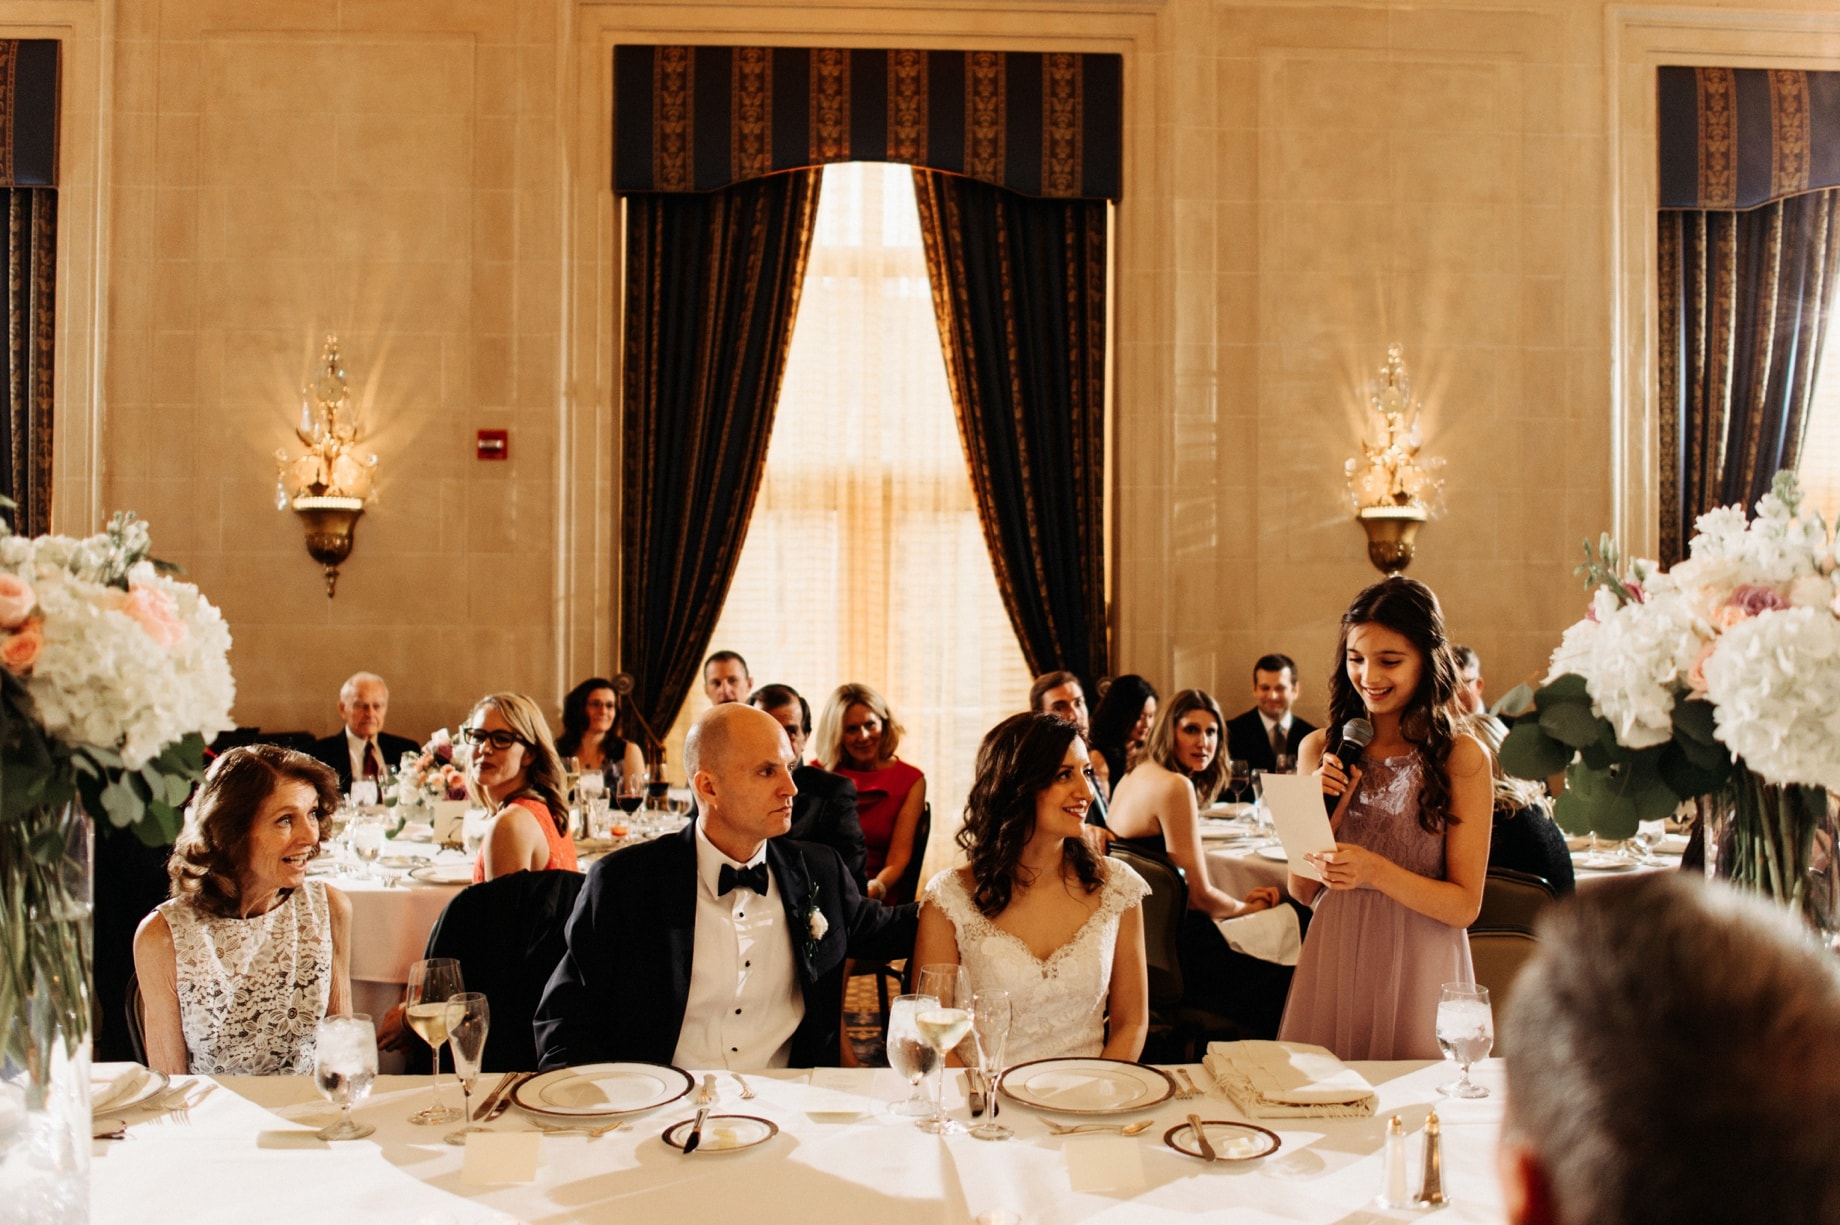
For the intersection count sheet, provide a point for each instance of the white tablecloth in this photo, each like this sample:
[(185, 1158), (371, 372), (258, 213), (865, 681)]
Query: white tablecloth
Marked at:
[(235, 1163), (1236, 869)]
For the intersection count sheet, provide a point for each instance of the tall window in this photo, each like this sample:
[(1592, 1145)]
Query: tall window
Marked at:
[(1820, 463), (865, 560)]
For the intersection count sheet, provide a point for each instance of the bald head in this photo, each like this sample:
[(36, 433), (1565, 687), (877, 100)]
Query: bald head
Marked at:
[(740, 768)]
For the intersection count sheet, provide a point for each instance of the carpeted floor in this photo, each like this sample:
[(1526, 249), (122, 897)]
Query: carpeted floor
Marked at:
[(862, 1021)]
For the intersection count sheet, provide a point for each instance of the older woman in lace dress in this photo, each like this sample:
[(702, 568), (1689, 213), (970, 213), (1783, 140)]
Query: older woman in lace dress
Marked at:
[(1034, 912), (240, 965)]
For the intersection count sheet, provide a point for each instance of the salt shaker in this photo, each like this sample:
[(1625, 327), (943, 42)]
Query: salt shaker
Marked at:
[(1431, 1190), (1393, 1178)]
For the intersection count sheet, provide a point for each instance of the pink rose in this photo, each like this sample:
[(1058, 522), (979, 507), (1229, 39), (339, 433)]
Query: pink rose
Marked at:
[(20, 649), (1752, 599), (17, 600), (1696, 675), (1636, 594), (154, 610)]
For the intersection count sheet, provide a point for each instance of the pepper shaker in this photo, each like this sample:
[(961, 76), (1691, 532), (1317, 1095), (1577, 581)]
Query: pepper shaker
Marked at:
[(1431, 1190)]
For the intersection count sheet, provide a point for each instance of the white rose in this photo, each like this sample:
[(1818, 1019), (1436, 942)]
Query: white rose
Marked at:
[(819, 924)]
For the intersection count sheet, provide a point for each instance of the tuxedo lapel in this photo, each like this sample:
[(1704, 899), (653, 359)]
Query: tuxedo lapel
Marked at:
[(795, 895), (677, 898)]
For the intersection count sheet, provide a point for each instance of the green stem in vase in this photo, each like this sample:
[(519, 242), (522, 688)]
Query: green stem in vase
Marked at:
[(45, 963)]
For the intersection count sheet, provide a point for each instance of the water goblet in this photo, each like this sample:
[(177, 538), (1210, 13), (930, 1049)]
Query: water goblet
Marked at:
[(344, 1065), (431, 984), (943, 1026), (468, 1019), (1465, 1033), (367, 842), (909, 1054), (990, 1018)]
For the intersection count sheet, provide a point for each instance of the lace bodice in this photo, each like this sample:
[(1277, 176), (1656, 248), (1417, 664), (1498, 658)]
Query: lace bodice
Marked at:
[(1057, 1005), (1383, 816), (251, 990)]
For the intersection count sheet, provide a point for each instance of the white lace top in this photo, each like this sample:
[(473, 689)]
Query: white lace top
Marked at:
[(251, 990), (1058, 1005)]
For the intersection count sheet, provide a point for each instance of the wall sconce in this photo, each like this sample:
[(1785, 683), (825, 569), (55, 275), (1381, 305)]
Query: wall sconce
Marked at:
[(327, 485), (1392, 487)]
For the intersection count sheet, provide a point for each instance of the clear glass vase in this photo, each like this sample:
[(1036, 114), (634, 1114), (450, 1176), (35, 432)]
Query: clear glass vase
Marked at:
[(46, 875), (1777, 841)]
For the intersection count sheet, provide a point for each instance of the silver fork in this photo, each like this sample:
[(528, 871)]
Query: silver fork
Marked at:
[(1185, 1088), (747, 1092)]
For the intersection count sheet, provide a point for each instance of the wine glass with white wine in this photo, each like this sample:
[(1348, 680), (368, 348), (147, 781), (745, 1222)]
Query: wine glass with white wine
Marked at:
[(468, 1019), (344, 1065), (431, 984), (909, 1054), (943, 1026), (1465, 1033)]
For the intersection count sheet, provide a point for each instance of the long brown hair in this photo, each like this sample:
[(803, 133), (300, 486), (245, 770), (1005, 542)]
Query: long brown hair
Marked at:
[(1017, 761), (1408, 608), (543, 775), (1161, 747), (208, 857)]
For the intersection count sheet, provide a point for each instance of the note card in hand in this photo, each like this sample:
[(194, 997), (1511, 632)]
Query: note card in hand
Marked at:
[(1104, 1163), (1296, 803), (494, 1157)]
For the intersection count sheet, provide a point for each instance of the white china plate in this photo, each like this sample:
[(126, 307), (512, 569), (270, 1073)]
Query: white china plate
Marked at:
[(1230, 1141), (1227, 810), (443, 874), (1086, 1086), (1599, 861), (1227, 831), (602, 1089), (406, 861), (1672, 844), (416, 832), (147, 1085), (1276, 854), (723, 1133)]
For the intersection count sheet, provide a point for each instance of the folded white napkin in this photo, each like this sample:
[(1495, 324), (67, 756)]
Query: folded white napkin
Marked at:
[(108, 1081), (1289, 1080), (1270, 935)]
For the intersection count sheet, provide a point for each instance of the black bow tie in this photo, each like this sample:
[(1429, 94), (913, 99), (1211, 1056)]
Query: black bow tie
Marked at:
[(754, 878)]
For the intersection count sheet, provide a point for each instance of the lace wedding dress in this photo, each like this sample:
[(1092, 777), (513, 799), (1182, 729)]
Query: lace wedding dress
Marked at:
[(1057, 1006), (251, 990)]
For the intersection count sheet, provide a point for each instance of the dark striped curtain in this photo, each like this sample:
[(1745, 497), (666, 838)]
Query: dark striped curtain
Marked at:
[(712, 287), (31, 324), (1019, 293), (1744, 303)]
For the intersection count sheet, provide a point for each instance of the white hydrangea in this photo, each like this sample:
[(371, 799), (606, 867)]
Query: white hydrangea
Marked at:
[(1774, 681), (1639, 657)]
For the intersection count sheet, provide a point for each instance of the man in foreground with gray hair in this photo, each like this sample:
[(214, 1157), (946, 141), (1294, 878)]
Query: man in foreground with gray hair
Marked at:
[(1673, 1056)]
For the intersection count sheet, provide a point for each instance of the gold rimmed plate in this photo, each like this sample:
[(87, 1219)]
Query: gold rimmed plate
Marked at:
[(602, 1090), (443, 874), (1086, 1086), (1231, 1141), (724, 1133)]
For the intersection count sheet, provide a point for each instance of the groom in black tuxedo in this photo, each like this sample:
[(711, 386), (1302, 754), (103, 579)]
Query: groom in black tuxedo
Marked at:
[(722, 946)]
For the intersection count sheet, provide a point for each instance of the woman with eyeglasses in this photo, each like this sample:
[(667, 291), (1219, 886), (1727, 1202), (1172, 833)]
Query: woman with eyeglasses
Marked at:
[(513, 770)]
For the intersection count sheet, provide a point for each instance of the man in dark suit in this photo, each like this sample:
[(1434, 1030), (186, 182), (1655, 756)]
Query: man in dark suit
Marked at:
[(362, 749), (1256, 735), (824, 811), (722, 946)]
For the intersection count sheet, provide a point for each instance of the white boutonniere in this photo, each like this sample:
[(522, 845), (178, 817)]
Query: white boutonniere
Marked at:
[(815, 924)]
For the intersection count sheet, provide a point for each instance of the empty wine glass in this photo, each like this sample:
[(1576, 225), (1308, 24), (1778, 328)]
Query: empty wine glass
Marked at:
[(367, 842), (909, 1054), (468, 1019), (1465, 1033), (344, 1065), (431, 984), (990, 1017), (943, 1026)]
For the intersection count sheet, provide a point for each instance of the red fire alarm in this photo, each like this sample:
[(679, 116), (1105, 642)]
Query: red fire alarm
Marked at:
[(494, 444)]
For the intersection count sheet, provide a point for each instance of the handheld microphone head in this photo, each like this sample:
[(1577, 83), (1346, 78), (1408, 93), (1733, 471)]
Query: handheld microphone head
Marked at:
[(623, 684), (1357, 733)]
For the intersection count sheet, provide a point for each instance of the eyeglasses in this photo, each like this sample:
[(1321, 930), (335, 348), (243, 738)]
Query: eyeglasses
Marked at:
[(500, 740)]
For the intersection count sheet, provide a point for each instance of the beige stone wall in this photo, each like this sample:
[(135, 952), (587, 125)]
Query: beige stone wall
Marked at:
[(1305, 183)]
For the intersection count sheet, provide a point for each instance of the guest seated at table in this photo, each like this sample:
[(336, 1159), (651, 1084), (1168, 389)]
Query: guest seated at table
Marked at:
[(1524, 836), (1121, 723), (514, 771), (587, 731), (1035, 912), (824, 810), (1060, 693), (857, 738), (1484, 725), (249, 954), (1675, 1060), (722, 946), (361, 749), (1411, 822), (1156, 812)]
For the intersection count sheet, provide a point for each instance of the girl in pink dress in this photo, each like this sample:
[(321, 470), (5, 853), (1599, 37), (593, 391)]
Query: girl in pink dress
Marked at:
[(857, 736), (1412, 838)]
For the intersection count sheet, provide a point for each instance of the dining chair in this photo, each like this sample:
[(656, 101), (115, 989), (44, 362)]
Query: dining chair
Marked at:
[(1497, 954), (136, 1008), (1512, 899), (905, 889)]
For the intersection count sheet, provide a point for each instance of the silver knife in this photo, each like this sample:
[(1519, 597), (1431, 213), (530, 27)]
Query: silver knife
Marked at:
[(504, 1103), (1201, 1140), (974, 1090), (705, 1100), (491, 1099)]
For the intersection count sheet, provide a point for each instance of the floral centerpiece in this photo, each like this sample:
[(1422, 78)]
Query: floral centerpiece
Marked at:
[(434, 773), (1717, 680), (113, 674)]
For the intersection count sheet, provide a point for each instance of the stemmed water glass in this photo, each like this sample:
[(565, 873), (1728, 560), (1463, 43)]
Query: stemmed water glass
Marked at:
[(367, 842), (431, 984), (909, 1054), (344, 1065), (990, 1017), (1239, 776), (468, 1018), (943, 1026), (1465, 1033)]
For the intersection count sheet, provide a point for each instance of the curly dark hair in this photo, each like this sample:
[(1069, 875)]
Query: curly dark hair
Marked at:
[(207, 858), (575, 722), (1408, 608), (1016, 763)]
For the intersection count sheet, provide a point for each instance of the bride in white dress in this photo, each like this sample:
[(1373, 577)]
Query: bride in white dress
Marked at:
[(1034, 912)]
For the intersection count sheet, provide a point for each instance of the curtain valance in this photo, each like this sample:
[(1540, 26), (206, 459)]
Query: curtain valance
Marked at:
[(1738, 137), (701, 118), (28, 112)]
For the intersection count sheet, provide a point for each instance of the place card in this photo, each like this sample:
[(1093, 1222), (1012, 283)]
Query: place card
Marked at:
[(1104, 1163), (500, 1156), (831, 1096)]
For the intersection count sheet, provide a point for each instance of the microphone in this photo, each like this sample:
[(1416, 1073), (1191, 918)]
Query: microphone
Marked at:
[(1357, 734), (624, 684)]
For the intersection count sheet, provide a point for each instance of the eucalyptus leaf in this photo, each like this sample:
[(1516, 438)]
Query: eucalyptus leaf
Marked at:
[(178, 787), (1571, 723), (1528, 752), (1687, 774), (1695, 720), (1514, 703), (1567, 688), (1573, 813), (120, 802)]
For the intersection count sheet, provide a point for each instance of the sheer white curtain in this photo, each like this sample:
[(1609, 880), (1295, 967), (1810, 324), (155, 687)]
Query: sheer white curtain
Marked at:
[(864, 560), (1819, 468)]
